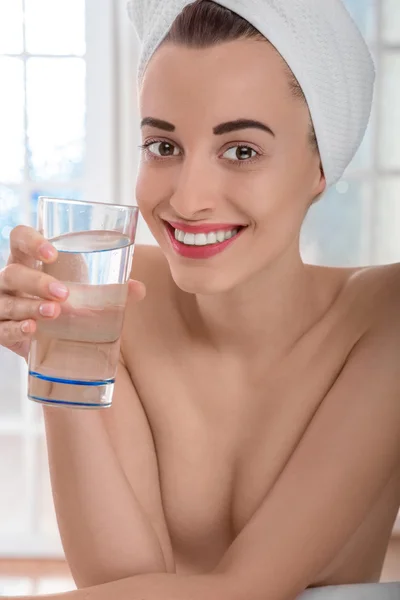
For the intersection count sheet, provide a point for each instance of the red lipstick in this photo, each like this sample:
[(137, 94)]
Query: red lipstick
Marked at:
[(204, 228), (201, 252)]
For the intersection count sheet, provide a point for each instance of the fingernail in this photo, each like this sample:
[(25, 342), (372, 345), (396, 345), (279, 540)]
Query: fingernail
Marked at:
[(58, 290), (47, 251), (25, 327), (47, 310)]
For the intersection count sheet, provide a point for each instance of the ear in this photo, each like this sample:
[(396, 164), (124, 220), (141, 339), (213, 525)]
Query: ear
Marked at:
[(320, 185)]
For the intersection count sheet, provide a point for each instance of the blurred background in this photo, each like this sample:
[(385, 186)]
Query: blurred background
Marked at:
[(69, 127)]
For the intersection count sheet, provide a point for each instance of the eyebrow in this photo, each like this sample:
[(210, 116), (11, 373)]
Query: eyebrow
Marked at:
[(221, 129), (157, 123)]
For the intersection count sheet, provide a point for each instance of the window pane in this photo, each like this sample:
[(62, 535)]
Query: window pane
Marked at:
[(391, 21), (12, 149), (55, 26), (389, 139), (56, 117), (333, 230), (387, 221), (10, 216), (13, 494), (11, 33)]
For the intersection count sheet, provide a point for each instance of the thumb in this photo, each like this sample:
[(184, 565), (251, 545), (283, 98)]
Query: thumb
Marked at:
[(136, 290)]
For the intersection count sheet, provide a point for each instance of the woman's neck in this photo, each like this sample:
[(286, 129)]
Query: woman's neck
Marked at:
[(268, 313)]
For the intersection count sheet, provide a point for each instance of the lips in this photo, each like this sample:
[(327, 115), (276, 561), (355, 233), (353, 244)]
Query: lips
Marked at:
[(200, 252), (205, 228)]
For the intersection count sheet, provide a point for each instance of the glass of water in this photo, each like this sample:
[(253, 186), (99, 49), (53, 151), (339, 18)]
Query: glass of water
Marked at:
[(73, 359)]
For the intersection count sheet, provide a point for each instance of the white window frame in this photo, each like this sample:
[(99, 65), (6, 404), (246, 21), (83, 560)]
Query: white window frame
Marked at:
[(381, 48), (100, 183)]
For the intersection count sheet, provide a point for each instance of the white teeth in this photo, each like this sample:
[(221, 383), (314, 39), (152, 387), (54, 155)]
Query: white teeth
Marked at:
[(204, 239), (200, 239), (179, 235), (189, 239)]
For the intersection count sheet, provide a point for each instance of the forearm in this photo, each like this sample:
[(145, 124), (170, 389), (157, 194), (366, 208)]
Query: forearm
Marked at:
[(106, 534), (157, 587)]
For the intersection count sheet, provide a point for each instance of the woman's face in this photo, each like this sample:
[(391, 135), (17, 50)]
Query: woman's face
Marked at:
[(205, 178)]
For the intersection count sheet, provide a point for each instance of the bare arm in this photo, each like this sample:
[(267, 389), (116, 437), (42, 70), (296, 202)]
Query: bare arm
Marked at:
[(103, 464), (105, 485), (344, 462), (155, 587)]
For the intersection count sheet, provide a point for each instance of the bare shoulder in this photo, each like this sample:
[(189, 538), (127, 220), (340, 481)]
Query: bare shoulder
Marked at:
[(375, 292), (371, 371), (369, 295), (364, 322), (371, 300), (379, 290)]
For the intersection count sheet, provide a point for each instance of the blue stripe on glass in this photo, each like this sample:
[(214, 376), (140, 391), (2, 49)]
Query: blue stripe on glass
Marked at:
[(88, 405), (72, 381)]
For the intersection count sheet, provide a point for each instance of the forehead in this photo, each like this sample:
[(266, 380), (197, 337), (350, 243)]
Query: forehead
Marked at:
[(243, 75)]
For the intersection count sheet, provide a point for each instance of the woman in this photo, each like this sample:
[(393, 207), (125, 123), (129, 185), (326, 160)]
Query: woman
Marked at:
[(253, 446)]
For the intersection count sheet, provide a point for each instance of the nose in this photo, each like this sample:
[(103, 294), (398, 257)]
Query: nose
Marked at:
[(194, 196)]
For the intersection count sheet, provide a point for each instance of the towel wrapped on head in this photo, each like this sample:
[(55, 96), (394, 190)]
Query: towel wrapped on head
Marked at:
[(321, 45)]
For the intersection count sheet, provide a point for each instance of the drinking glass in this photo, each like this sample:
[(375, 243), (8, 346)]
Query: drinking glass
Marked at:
[(73, 359)]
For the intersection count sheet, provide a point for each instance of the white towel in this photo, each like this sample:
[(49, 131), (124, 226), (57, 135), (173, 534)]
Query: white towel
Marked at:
[(322, 46)]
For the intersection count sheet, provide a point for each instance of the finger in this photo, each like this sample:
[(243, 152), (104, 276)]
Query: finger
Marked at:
[(136, 289), (22, 279), (12, 332), (21, 348), (13, 308), (27, 245)]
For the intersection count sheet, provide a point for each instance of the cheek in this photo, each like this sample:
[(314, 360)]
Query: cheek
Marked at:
[(274, 192), (149, 190), (292, 176), (277, 205)]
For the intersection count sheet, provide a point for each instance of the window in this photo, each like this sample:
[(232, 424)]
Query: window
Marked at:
[(58, 137), (358, 221)]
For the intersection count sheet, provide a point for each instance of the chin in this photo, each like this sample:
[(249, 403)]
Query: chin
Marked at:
[(201, 280), (217, 269)]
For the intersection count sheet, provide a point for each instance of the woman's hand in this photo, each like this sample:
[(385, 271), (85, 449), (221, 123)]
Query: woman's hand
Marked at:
[(26, 294)]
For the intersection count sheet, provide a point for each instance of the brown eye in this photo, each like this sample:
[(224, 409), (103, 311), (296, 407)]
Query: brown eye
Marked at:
[(240, 153), (163, 149)]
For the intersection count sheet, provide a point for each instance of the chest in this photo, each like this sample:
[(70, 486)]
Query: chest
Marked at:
[(223, 436)]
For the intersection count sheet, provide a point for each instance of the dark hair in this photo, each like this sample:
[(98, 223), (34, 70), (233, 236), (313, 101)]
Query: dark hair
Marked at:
[(204, 23)]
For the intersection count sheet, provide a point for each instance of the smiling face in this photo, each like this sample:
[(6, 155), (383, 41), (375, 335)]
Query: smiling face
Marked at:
[(227, 159)]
